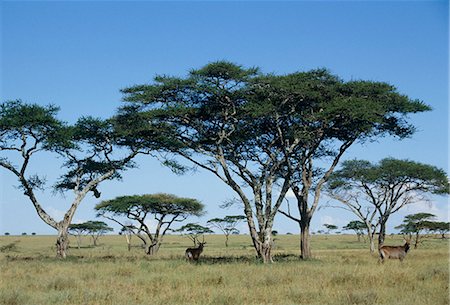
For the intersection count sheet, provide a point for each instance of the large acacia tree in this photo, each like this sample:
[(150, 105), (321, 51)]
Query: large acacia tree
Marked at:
[(384, 188), (87, 149), (327, 115), (213, 119), (165, 209), (260, 133)]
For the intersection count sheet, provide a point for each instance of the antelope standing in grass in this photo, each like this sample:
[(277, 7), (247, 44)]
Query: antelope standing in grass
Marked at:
[(395, 252), (192, 254)]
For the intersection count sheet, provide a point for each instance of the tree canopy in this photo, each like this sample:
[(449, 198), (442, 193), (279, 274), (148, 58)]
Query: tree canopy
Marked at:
[(88, 150), (193, 231), (386, 187), (260, 131)]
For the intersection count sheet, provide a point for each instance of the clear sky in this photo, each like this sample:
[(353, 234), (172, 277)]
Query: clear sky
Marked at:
[(78, 55)]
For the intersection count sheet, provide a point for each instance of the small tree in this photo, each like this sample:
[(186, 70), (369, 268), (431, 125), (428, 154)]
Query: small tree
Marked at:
[(78, 229), (440, 227), (416, 224), (88, 151), (193, 231), (165, 209), (97, 229), (374, 192), (357, 226), (227, 225), (127, 230), (330, 227)]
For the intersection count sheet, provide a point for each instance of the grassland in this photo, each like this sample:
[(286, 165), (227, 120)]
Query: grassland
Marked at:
[(342, 272)]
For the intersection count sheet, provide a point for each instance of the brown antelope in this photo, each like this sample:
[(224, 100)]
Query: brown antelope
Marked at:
[(192, 254), (395, 252)]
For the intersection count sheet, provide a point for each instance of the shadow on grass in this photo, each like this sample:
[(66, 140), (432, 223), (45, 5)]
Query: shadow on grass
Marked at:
[(204, 260)]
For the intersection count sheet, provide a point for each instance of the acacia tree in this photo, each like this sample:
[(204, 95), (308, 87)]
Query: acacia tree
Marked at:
[(261, 133), (77, 229), (330, 227), (415, 224), (219, 126), (358, 227), (228, 225), (385, 188), (440, 226), (165, 209), (331, 115), (193, 231), (96, 229), (127, 230), (87, 149)]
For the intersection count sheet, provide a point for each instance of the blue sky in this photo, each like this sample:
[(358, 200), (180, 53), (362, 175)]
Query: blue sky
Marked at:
[(78, 55)]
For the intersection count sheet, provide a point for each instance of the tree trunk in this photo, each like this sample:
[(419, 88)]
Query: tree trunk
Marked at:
[(153, 248), (94, 239), (305, 249), (372, 244), (382, 233), (62, 242), (226, 241), (128, 237), (416, 243), (266, 252), (79, 241)]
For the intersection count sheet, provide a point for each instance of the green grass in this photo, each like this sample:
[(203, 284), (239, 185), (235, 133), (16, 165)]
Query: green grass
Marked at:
[(342, 272)]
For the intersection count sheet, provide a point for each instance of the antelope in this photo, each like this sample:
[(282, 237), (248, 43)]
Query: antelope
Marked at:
[(395, 252), (194, 253)]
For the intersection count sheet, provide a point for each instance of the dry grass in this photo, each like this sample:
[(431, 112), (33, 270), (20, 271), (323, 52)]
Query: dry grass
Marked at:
[(343, 272)]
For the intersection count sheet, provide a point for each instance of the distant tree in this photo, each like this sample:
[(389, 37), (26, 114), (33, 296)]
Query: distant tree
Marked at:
[(78, 229), (7, 233), (358, 227), (165, 209), (227, 225), (440, 227), (34, 233), (193, 231), (330, 227), (92, 151), (127, 230), (416, 224), (374, 192), (24, 233), (97, 229)]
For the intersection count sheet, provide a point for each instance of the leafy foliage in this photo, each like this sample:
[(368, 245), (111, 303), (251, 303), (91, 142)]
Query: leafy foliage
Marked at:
[(193, 231), (165, 208)]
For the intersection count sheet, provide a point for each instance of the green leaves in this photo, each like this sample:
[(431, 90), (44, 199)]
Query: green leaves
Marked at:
[(391, 172), (91, 226), (32, 124), (164, 204)]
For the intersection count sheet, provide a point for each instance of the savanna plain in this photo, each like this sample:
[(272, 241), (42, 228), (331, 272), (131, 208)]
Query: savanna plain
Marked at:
[(342, 272)]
